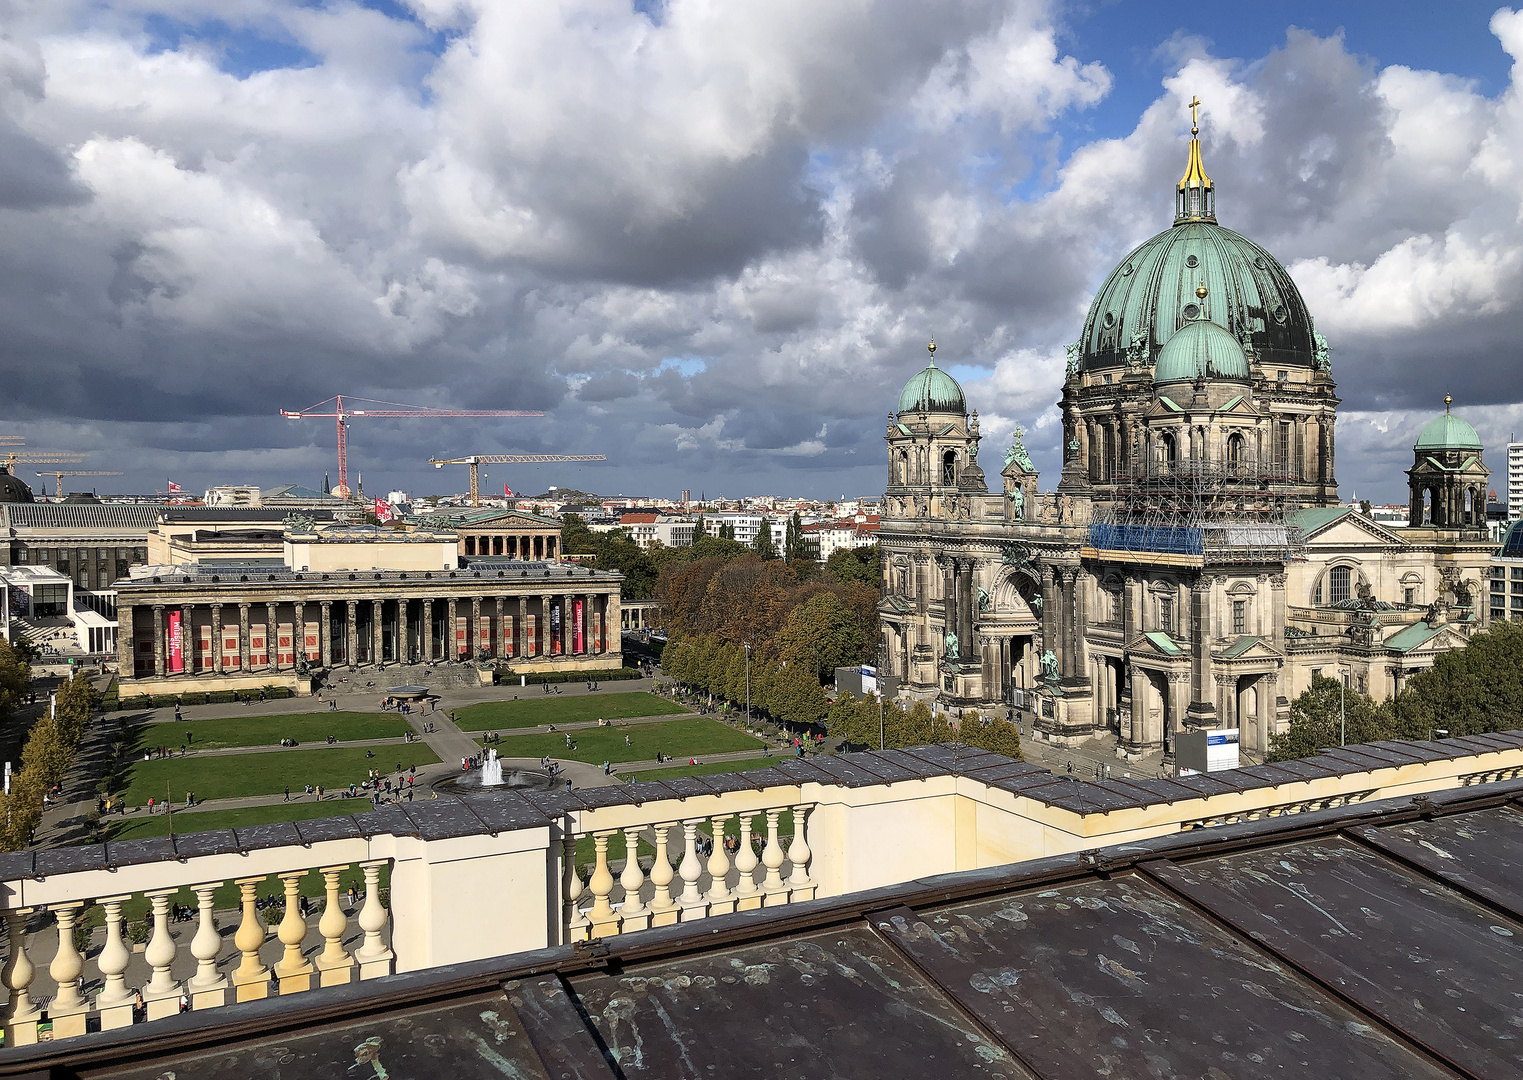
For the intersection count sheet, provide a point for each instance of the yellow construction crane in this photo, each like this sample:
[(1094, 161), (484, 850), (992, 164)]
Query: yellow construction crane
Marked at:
[(41, 457), (475, 461), (59, 475)]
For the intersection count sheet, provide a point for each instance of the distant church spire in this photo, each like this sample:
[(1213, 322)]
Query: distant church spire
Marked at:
[(1195, 195)]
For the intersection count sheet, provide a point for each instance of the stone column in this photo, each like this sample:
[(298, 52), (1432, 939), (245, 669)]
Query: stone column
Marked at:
[(426, 634), (217, 638), (596, 623), (158, 640), (126, 661), (1276, 613), (499, 635), (948, 604), (1080, 589), (243, 637), (298, 635), (271, 638), (325, 632), (187, 640), (477, 644), (1179, 703), (451, 642), (521, 638), (967, 607), (567, 639), (375, 632), (613, 624), (544, 625), (352, 632), (1050, 605)]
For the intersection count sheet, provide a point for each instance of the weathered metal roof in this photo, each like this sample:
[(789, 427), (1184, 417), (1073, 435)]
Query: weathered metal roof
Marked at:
[(1385, 942)]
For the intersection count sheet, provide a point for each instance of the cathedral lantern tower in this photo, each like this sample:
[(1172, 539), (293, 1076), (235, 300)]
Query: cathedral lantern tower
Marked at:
[(1448, 480), (932, 448)]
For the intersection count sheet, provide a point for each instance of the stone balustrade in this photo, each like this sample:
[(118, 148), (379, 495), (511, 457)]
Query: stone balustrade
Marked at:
[(498, 874), (682, 884), (71, 1011)]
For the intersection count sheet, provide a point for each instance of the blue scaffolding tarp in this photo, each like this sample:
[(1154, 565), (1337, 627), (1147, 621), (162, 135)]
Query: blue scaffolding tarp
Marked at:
[(1160, 539)]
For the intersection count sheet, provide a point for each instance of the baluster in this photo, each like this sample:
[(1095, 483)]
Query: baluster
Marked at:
[(801, 886), (252, 979), (721, 900), (162, 994), (68, 1008), (335, 965), (21, 1014), (774, 892), (663, 909), (691, 900), (293, 971), (115, 999), (633, 914), (208, 986), (747, 896), (374, 957), (577, 926), (604, 921)]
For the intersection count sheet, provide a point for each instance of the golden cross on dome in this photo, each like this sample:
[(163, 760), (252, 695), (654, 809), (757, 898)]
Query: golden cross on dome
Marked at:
[(1195, 104)]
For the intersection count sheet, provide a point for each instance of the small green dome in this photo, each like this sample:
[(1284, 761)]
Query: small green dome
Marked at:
[(932, 390), (1447, 432), (1201, 350)]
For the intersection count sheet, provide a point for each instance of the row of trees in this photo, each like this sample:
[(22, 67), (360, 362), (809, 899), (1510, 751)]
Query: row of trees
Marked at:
[(857, 721), (642, 567), (49, 752), (1469, 691)]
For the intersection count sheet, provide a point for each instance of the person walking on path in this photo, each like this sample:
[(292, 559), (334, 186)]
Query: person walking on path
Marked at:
[(288, 793)]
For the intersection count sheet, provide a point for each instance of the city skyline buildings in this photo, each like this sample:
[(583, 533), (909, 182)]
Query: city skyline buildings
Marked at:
[(186, 254)]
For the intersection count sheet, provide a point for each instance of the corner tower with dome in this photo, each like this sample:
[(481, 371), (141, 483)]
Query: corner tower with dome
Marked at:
[(1192, 568)]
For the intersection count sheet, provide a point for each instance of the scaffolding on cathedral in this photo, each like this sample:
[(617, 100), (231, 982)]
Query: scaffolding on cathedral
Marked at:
[(1197, 513)]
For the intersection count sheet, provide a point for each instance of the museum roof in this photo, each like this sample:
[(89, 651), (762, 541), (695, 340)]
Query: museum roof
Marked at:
[(1381, 941), (252, 570), (135, 516)]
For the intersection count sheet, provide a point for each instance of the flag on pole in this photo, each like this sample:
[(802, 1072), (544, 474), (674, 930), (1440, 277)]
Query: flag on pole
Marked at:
[(174, 488), (383, 511), (507, 491)]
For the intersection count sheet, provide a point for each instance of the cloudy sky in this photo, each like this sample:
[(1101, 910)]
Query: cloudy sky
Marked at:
[(710, 238)]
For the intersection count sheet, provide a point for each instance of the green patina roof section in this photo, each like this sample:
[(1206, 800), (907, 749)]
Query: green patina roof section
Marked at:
[(1316, 517), (1200, 350), (932, 390), (1409, 638), (904, 430), (473, 516), (1163, 643), (1169, 402), (1239, 647), (1231, 403), (1152, 289), (1447, 432)]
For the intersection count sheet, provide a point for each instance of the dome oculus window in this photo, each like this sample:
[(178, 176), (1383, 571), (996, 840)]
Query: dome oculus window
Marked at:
[(1110, 319), (1279, 314), (1126, 270), (1192, 262), (1258, 260), (1191, 311)]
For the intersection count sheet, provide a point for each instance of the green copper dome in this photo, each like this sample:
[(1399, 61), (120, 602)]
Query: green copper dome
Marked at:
[(932, 390), (1447, 432), (1152, 295), (1202, 349)]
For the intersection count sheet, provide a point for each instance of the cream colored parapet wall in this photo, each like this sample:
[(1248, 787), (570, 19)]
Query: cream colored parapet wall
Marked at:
[(500, 874)]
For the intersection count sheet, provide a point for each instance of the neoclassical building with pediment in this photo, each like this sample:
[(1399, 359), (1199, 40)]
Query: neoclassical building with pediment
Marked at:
[(1194, 567)]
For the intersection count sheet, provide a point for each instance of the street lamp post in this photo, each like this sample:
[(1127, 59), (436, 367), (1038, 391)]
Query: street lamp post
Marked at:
[(880, 693), (748, 684), (1342, 718)]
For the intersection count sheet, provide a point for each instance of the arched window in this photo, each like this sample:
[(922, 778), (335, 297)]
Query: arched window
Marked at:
[(1235, 447), (949, 467), (904, 467), (1339, 580), (1170, 449)]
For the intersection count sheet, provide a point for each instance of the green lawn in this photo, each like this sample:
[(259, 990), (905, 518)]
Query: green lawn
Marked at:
[(692, 737), (305, 728), (703, 768), (229, 776), (534, 708), (142, 826)]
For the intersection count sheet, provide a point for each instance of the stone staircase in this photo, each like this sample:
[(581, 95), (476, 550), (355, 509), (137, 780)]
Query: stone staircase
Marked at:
[(375, 681)]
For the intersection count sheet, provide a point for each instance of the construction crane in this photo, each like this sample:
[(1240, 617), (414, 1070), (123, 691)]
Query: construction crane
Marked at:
[(59, 475), (475, 461), (41, 457), (335, 408)]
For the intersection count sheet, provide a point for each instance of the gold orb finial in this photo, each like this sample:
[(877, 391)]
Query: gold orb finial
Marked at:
[(1201, 290), (1447, 402), (931, 348)]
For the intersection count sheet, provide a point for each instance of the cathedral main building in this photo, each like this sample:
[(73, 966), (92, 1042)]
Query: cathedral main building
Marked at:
[(1194, 567)]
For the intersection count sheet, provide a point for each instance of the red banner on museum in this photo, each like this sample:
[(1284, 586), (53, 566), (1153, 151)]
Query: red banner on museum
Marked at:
[(576, 607), (176, 642)]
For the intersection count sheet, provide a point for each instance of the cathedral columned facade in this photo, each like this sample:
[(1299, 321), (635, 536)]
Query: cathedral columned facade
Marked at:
[(1193, 566)]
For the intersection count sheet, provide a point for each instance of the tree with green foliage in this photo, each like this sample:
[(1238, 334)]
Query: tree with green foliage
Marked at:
[(1316, 722), (15, 678), (999, 736), (700, 528), (853, 564), (576, 537), (726, 530), (763, 544), (823, 634)]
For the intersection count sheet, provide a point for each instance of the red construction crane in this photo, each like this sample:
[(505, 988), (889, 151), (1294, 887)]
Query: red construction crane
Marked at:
[(335, 407)]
